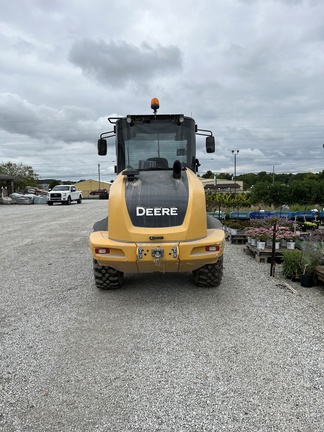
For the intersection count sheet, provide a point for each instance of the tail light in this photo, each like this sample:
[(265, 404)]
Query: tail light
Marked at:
[(213, 248), (102, 251)]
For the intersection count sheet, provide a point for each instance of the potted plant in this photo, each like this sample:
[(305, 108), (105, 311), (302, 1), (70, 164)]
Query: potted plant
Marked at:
[(292, 263), (291, 238), (235, 226), (262, 236), (307, 226), (258, 236), (311, 258), (252, 235)]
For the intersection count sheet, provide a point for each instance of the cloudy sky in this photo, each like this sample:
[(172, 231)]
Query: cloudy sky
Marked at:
[(252, 71)]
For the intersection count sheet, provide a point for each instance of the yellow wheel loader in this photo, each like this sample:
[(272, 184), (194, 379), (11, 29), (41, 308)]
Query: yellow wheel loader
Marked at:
[(157, 219)]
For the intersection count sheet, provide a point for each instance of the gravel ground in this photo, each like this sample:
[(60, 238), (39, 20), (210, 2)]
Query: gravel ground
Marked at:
[(157, 355)]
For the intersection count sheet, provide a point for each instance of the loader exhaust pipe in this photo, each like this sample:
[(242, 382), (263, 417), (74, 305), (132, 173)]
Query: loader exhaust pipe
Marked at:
[(177, 169)]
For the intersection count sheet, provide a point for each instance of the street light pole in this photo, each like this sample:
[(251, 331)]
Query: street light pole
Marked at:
[(273, 167), (235, 153)]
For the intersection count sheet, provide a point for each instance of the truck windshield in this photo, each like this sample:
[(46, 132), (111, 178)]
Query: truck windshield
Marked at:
[(156, 144), (61, 188)]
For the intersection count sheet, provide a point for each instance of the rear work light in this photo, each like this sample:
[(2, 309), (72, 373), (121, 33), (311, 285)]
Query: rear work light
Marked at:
[(214, 248), (102, 251)]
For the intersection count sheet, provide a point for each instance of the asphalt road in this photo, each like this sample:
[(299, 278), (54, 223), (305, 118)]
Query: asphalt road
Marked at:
[(157, 355)]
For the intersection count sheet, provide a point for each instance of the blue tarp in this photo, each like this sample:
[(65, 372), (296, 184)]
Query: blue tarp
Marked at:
[(283, 214), (305, 214), (216, 214), (240, 215), (260, 215)]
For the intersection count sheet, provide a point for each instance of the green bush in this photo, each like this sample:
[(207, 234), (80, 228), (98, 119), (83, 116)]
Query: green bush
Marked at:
[(236, 224), (292, 263)]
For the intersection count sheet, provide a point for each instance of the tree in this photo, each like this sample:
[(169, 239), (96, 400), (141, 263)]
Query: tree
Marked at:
[(321, 175), (208, 174), (263, 176), (278, 194), (260, 193), (241, 200), (224, 176), (305, 192), (23, 175), (283, 178), (53, 184), (247, 179)]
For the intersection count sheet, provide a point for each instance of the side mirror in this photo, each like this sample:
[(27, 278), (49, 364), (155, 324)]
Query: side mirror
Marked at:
[(210, 144), (102, 147)]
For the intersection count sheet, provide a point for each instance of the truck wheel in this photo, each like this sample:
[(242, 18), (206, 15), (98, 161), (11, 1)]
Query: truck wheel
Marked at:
[(209, 275), (68, 201), (79, 201), (107, 277), (103, 196), (50, 203)]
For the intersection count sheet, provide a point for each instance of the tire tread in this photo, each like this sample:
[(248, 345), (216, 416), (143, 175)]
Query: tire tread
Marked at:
[(209, 275), (107, 277)]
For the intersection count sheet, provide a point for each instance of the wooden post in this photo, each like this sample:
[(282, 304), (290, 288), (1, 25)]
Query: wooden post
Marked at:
[(273, 253)]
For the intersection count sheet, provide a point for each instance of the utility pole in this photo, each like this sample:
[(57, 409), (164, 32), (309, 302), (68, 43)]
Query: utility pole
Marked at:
[(235, 153), (273, 167), (99, 174)]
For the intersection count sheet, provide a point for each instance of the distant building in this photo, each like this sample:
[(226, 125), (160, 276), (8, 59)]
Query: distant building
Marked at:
[(87, 186), (222, 185)]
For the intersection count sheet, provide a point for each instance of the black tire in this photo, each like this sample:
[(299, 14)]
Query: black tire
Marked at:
[(79, 201), (68, 201), (49, 203), (209, 275), (106, 277)]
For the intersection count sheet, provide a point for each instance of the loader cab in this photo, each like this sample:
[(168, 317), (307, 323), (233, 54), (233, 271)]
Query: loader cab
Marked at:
[(155, 142)]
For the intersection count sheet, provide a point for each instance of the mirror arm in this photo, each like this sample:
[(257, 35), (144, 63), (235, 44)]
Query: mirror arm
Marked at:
[(108, 134), (200, 132)]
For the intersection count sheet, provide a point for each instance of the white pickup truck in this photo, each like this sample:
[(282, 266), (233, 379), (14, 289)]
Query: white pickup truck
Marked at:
[(64, 194)]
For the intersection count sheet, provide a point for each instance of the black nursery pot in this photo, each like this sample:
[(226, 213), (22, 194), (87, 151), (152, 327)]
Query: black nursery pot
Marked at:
[(306, 280)]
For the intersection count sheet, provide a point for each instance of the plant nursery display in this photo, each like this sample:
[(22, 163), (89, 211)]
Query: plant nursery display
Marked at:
[(273, 228)]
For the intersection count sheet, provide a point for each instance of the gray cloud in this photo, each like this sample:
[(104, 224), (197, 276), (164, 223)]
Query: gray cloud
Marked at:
[(70, 124), (250, 71), (117, 62), (284, 2)]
